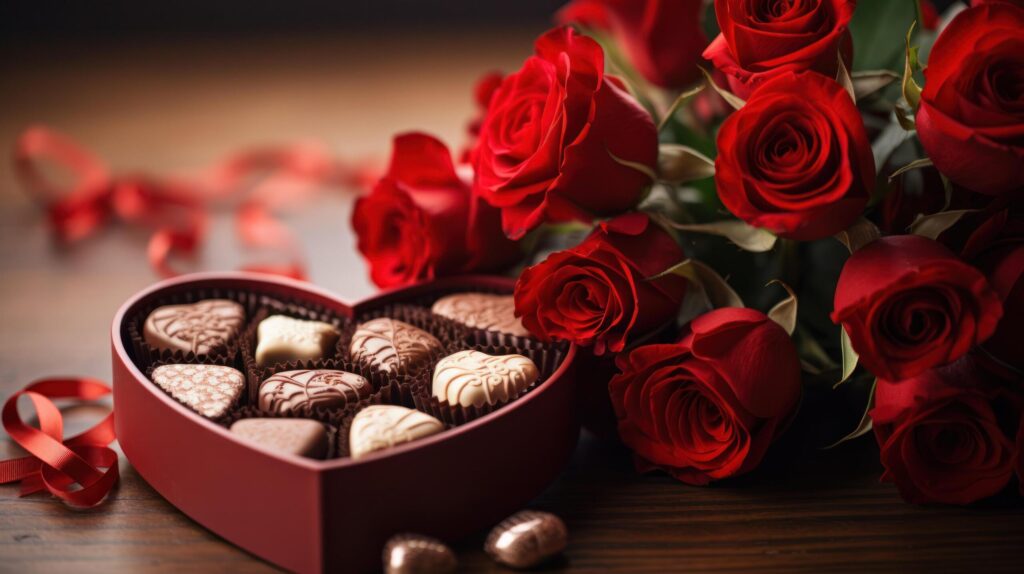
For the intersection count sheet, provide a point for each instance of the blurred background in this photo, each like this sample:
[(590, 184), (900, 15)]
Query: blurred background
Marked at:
[(171, 87)]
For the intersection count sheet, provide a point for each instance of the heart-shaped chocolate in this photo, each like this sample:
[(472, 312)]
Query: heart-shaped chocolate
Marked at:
[(202, 327), (304, 390), (210, 390), (378, 427), (472, 378), (303, 437), (482, 311), (391, 345)]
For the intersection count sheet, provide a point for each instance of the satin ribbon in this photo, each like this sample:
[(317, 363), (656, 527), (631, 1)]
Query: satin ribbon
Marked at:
[(258, 181), (80, 470)]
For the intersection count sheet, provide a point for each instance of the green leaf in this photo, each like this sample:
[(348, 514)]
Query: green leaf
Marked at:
[(867, 82), (644, 169), (717, 292), (683, 164), (891, 138), (844, 79), (850, 356), (784, 312), (732, 99), (864, 426), (858, 235), (676, 104), (747, 237), (916, 164), (905, 118), (911, 90), (876, 28), (932, 226)]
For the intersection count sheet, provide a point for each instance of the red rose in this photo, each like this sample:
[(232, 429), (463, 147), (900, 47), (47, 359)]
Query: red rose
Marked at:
[(971, 119), (939, 436), (483, 91), (663, 39), (546, 146), (800, 167), (420, 221), (708, 406), (761, 39), (597, 293), (1003, 263), (909, 304)]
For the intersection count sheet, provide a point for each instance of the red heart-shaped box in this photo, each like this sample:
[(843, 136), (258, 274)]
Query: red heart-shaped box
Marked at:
[(335, 515)]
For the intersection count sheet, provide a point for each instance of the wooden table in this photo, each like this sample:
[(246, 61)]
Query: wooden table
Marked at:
[(167, 106)]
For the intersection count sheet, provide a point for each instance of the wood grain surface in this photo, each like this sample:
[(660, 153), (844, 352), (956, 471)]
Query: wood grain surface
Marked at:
[(162, 107)]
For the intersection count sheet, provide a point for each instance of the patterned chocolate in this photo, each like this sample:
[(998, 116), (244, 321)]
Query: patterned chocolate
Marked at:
[(526, 539), (210, 390), (203, 327), (416, 554), (391, 345), (379, 427), (282, 339), (302, 391), (482, 311), (472, 378), (302, 437)]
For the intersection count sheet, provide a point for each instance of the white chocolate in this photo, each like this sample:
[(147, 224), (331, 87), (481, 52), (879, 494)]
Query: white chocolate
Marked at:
[(472, 378), (282, 339), (380, 427)]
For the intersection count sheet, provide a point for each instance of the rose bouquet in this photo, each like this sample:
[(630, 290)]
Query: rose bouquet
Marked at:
[(742, 205)]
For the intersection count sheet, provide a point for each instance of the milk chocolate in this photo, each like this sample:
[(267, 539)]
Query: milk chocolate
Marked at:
[(201, 328), (416, 554), (391, 345), (304, 390), (526, 539), (210, 390), (282, 339), (472, 378), (303, 437), (380, 427), (482, 311)]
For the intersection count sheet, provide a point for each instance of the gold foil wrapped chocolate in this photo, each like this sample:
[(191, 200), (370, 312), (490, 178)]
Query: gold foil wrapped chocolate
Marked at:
[(526, 539), (416, 554)]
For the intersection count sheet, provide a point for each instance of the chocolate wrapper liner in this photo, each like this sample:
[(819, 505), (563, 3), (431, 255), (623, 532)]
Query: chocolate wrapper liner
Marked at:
[(144, 355), (267, 306), (254, 413), (234, 363), (448, 333), (547, 358)]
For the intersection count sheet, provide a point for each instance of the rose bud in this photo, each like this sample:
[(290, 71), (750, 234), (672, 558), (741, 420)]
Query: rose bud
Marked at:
[(1003, 263), (421, 221), (663, 39), (761, 39), (708, 406), (557, 137), (971, 119), (597, 293), (908, 304), (799, 167), (939, 436)]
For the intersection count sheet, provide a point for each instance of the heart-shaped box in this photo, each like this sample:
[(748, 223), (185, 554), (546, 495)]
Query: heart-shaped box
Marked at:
[(335, 515)]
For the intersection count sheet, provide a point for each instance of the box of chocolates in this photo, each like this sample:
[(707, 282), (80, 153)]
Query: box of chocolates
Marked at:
[(310, 431)]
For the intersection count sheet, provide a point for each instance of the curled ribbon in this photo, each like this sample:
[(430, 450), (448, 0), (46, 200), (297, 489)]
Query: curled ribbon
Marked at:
[(80, 470), (257, 180)]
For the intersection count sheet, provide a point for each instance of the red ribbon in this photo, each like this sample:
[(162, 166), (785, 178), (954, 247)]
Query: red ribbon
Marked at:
[(258, 181), (80, 470)]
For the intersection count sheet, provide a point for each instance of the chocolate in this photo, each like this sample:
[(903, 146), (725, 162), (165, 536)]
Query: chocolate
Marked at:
[(391, 345), (472, 378), (379, 427), (210, 390), (526, 539), (302, 391), (200, 328), (482, 311), (281, 339), (416, 554), (302, 437)]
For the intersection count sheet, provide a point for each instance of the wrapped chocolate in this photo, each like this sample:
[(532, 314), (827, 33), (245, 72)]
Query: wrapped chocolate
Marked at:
[(416, 554), (526, 539)]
